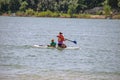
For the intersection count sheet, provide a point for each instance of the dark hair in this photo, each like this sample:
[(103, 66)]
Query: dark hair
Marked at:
[(60, 33)]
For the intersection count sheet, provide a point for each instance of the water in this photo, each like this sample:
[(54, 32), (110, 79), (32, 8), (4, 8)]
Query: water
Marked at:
[(97, 59)]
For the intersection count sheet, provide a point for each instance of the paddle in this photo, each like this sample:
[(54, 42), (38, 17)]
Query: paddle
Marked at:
[(71, 41)]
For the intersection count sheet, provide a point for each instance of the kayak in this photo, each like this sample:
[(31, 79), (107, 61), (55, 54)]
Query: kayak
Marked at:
[(59, 48)]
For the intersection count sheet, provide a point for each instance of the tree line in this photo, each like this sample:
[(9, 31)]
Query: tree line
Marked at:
[(60, 6)]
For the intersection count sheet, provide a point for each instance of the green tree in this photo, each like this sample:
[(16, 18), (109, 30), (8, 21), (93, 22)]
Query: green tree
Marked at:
[(107, 8), (4, 5), (63, 6), (93, 3), (32, 4), (113, 3), (23, 6), (14, 5), (118, 3), (81, 6), (72, 8)]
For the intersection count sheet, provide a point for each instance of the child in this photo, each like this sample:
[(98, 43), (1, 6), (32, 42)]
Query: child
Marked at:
[(52, 44)]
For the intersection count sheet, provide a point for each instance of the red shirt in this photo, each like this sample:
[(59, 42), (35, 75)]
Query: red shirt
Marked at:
[(60, 38)]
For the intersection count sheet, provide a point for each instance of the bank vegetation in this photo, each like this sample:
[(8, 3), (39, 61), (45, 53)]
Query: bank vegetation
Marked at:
[(61, 8)]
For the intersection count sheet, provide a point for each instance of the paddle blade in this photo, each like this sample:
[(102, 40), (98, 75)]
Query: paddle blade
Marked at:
[(74, 42)]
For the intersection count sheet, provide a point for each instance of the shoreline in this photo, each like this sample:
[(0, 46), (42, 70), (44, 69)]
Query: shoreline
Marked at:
[(85, 16)]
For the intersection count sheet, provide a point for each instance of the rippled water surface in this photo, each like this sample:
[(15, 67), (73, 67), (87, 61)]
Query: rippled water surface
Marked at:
[(97, 59)]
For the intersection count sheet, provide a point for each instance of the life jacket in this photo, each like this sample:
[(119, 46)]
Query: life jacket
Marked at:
[(60, 38), (53, 44)]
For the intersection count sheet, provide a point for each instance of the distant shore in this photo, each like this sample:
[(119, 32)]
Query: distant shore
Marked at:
[(87, 16)]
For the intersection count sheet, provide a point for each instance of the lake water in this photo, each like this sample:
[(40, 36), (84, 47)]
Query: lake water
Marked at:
[(97, 59)]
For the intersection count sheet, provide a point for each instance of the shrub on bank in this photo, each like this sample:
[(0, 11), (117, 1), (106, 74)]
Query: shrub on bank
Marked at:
[(63, 15), (116, 16), (48, 13), (44, 14), (82, 15), (20, 13), (29, 12), (55, 14)]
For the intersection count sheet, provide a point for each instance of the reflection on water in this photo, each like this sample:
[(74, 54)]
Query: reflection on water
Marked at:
[(97, 59)]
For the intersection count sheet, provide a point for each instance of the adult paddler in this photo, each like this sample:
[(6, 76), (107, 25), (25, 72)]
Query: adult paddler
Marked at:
[(61, 39)]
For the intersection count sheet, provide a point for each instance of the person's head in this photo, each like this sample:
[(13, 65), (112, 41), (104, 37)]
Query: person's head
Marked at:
[(60, 33), (52, 40)]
